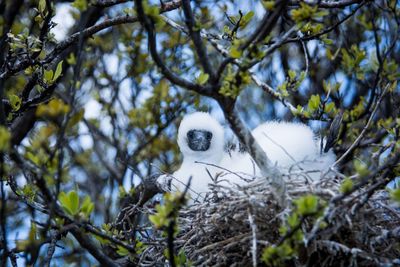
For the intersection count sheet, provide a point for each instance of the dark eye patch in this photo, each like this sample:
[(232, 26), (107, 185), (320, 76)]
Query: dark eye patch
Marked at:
[(190, 134), (199, 140)]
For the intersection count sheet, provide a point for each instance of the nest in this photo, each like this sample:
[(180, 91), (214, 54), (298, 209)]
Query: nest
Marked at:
[(235, 225)]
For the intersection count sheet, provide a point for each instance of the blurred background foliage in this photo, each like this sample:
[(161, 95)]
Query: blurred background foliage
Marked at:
[(86, 114)]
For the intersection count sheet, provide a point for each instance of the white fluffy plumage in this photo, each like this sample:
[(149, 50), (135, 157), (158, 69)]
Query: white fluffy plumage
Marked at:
[(195, 162), (293, 147)]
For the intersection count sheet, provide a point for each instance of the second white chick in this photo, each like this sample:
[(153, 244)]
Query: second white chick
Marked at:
[(292, 147)]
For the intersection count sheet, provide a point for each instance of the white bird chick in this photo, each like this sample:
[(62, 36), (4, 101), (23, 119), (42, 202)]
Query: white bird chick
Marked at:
[(293, 147), (201, 142)]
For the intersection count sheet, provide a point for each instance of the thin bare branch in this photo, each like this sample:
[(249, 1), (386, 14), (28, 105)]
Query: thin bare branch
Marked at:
[(197, 41)]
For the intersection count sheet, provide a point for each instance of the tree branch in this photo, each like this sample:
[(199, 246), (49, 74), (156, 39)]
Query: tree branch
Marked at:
[(196, 38), (244, 135), (266, 25), (359, 138), (95, 251), (152, 42), (257, 153), (327, 30), (75, 37), (108, 3), (326, 4)]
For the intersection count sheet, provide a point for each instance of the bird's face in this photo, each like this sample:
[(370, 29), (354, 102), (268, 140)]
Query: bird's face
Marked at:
[(199, 140)]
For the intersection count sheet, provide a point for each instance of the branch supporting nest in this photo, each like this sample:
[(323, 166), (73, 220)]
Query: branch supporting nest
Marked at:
[(235, 226)]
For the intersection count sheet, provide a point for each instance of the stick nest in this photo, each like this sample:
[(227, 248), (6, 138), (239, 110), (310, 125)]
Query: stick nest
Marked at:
[(235, 225)]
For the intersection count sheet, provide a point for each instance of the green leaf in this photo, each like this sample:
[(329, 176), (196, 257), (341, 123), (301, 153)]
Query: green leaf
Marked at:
[(152, 11), (293, 220), (54, 108), (320, 14), (276, 255), (87, 206), (42, 6), (181, 259), (15, 102), (327, 41), (69, 202), (32, 232), (38, 19), (393, 86), (292, 74), (29, 192), (127, 11), (102, 240), (361, 168), (302, 76), (330, 107), (74, 202), (48, 76), (346, 186), (307, 204), (5, 138), (248, 16), (283, 230), (203, 78), (58, 71), (268, 5), (160, 218), (80, 4), (122, 192), (282, 88), (71, 60), (234, 52), (395, 195), (303, 13), (32, 157), (246, 19), (64, 201), (351, 61), (122, 251), (106, 227), (313, 103), (360, 76), (164, 213), (269, 254)]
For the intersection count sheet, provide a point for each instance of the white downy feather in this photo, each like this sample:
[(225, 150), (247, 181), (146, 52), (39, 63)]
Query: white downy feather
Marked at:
[(293, 147), (195, 163)]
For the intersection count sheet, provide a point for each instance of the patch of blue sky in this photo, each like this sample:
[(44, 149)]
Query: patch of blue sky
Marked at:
[(394, 184)]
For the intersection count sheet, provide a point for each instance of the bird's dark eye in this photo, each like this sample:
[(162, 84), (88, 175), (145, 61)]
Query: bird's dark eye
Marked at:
[(190, 134), (209, 136)]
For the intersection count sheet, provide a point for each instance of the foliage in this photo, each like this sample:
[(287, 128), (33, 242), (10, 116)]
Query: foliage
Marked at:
[(167, 212), (305, 207), (91, 93), (70, 203), (5, 137)]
